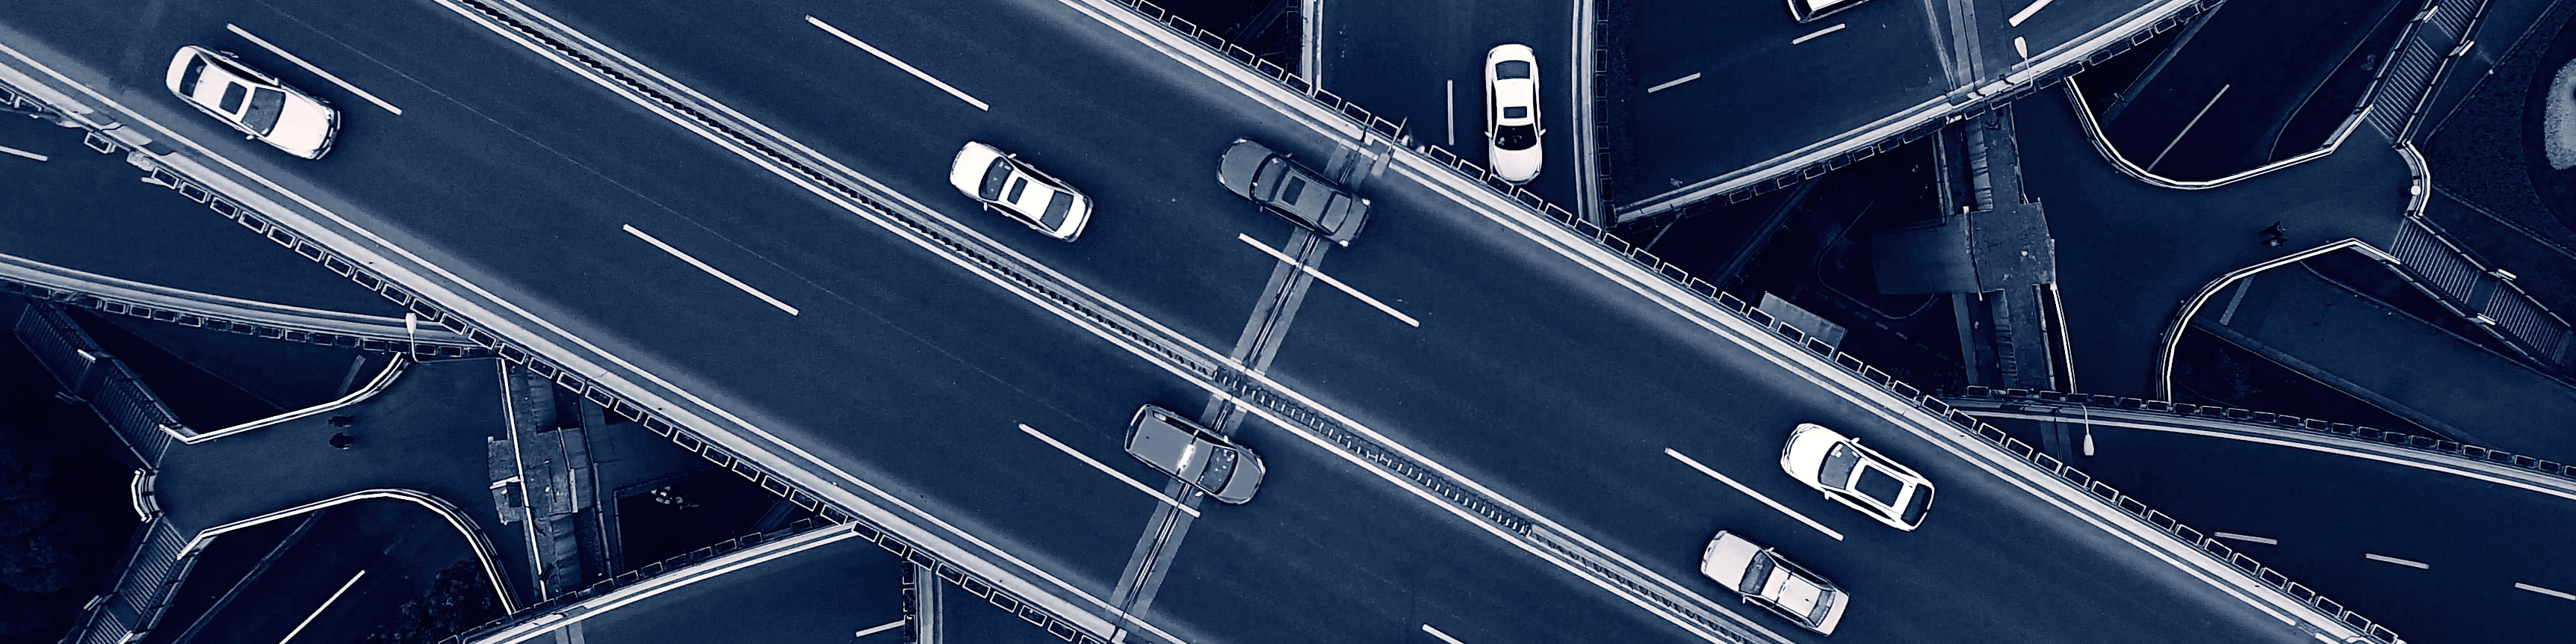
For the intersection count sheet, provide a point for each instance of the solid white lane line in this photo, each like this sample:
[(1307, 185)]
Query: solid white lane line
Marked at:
[(2394, 560), (317, 71), (728, 279), (2186, 127), (916, 73), (2246, 538), (2544, 591), (1443, 636), (1670, 83), (888, 626), (1801, 40), (1104, 468), (1757, 496), (2025, 12), (23, 153), (317, 611), (1328, 279)]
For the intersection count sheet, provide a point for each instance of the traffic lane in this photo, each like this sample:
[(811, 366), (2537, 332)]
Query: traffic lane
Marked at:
[(887, 346), (822, 594), (155, 237), (1422, 64), (1107, 116), (349, 574), (2327, 511), (1329, 552), (2047, 25), (1760, 93), (1581, 440)]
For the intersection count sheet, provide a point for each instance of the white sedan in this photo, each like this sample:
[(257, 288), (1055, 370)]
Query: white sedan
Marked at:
[(1856, 476), (263, 108), (1511, 113), (1001, 182), (1763, 577)]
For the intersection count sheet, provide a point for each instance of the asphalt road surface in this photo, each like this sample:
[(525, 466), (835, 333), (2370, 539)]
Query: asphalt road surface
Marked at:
[(1527, 373)]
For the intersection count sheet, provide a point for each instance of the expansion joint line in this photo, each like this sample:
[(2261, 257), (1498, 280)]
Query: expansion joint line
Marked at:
[(1134, 332)]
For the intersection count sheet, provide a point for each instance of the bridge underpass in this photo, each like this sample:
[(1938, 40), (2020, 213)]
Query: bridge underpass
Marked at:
[(941, 367)]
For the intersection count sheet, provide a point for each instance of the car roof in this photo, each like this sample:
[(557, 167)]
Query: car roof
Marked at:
[(1157, 441)]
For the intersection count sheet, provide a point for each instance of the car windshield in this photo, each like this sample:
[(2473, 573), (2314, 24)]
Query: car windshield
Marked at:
[(994, 177), (188, 77), (1219, 468), (1755, 573), (1838, 465), (1516, 137), (1511, 69), (1056, 209), (265, 105), (1878, 485)]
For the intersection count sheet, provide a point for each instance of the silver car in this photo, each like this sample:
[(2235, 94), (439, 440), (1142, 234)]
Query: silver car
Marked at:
[(1253, 171), (260, 106), (1201, 458), (1763, 577)]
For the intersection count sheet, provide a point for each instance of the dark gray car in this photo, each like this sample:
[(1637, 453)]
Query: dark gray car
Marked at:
[(1266, 177), (1196, 456)]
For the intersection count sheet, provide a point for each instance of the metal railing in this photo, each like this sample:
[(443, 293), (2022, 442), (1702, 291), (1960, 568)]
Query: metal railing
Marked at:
[(155, 560), (130, 409), (2185, 413), (2403, 86), (644, 573), (2471, 289)]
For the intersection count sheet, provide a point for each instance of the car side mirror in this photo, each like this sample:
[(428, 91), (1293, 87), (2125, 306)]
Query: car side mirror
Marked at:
[(250, 137)]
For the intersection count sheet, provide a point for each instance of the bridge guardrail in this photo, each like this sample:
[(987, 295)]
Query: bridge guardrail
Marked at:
[(2438, 447), (643, 573)]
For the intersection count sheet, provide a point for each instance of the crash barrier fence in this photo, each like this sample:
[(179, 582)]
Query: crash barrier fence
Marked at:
[(2471, 289), (645, 573), (428, 348), (155, 560), (2426, 50), (138, 417), (2438, 447)]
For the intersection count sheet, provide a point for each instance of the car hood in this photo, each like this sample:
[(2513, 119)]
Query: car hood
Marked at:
[(966, 173), (1726, 558), (1806, 450), (306, 127), (1246, 480)]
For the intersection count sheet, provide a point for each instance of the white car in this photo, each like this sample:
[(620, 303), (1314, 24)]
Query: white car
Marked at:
[(1763, 577), (1856, 476), (263, 108), (1806, 10), (1001, 182), (1511, 113)]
